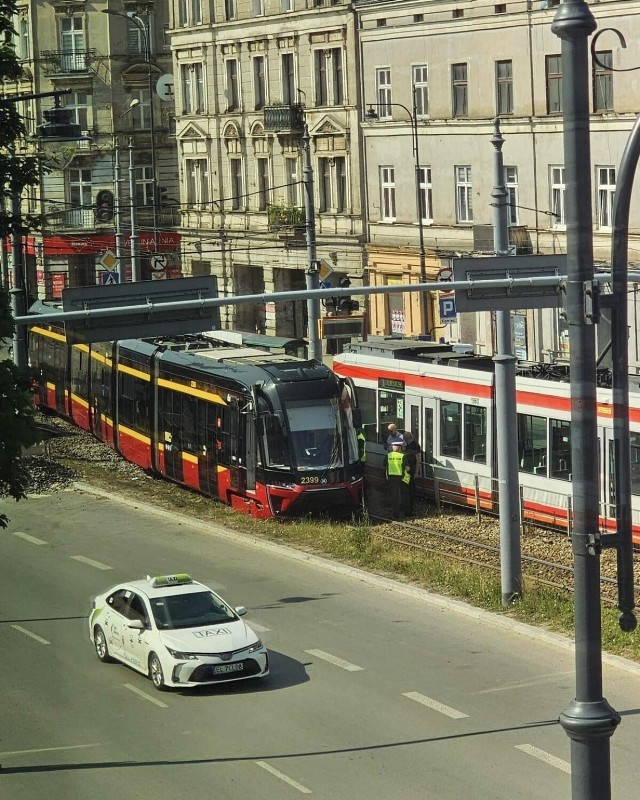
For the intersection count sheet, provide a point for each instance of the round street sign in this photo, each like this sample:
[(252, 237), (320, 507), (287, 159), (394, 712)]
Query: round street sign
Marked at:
[(164, 88), (158, 262), (445, 275)]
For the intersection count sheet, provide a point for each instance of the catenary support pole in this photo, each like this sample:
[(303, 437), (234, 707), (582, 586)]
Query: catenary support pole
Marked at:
[(18, 291), (588, 720), (313, 304), (117, 178), (506, 417), (135, 236)]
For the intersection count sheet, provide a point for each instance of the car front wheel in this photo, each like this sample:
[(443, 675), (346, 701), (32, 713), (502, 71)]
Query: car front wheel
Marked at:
[(155, 672), (100, 643)]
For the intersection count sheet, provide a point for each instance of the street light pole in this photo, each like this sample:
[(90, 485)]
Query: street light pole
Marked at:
[(118, 208), (134, 241), (588, 720), (313, 304), (420, 209)]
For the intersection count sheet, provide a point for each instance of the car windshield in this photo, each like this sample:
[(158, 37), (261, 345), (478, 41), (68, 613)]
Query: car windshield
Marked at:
[(191, 610)]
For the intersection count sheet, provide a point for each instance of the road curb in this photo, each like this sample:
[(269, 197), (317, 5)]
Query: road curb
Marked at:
[(415, 592)]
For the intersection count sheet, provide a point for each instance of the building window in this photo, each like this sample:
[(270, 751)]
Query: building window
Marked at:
[(233, 93), (332, 184), (144, 185), (79, 104), (257, 8), (287, 74), (606, 192), (137, 36), (259, 85), (80, 214), (291, 180), (464, 199), (141, 111), (459, 90), (192, 88), (262, 168), (286, 5), (328, 77), (237, 191), (511, 185), (421, 90), (387, 194), (197, 172), (557, 197), (457, 13), (383, 92), (504, 87), (229, 9), (73, 56), (554, 84), (20, 39), (603, 82), (426, 194), (500, 8)]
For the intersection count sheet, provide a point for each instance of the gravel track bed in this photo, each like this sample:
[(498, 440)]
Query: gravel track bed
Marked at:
[(546, 555)]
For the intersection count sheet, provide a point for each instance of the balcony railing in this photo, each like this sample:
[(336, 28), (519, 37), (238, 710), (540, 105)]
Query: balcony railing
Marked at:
[(284, 118), (72, 62), (75, 219), (285, 218)]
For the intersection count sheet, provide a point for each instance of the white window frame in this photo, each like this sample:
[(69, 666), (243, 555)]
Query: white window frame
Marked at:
[(605, 194), (425, 187), (80, 184), (292, 177), (387, 193), (286, 6), (144, 184), (464, 194), (511, 185), (330, 181), (141, 113), (557, 196), (197, 183), (232, 83), (257, 8), (328, 70), (79, 103), (230, 10), (383, 92), (72, 44), (420, 88), (264, 186), (192, 88)]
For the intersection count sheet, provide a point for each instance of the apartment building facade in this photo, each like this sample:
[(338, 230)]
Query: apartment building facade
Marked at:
[(249, 76), (111, 62), (453, 67)]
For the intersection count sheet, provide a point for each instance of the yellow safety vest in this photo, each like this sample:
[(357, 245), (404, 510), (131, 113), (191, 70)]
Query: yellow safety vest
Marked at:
[(394, 463)]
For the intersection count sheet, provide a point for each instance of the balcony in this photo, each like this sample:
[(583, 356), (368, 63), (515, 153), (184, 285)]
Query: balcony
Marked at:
[(284, 118), (75, 219), (59, 63)]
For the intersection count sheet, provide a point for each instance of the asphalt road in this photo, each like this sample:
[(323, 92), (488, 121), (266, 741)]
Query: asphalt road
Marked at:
[(374, 693)]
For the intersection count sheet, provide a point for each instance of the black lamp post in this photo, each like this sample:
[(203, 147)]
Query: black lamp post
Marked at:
[(373, 115), (146, 41)]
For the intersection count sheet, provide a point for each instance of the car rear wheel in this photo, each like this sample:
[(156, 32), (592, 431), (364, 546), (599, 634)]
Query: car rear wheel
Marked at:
[(100, 643), (155, 672)]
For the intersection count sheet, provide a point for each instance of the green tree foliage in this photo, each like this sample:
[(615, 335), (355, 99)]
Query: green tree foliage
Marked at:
[(17, 170)]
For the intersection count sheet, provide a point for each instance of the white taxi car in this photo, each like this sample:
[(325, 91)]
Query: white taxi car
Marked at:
[(177, 631)]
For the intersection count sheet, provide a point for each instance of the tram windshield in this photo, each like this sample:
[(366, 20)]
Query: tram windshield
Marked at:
[(319, 434)]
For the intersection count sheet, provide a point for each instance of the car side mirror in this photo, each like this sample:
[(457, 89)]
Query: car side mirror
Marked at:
[(241, 611), (136, 625)]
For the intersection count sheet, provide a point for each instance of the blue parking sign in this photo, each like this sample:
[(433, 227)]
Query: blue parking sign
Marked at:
[(447, 307)]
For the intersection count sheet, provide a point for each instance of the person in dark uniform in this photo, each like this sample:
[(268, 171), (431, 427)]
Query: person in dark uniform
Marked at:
[(397, 471), (413, 461)]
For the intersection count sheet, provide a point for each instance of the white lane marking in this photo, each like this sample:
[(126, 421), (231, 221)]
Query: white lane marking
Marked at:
[(257, 627), (30, 633), (91, 562), (435, 705), (47, 749), (145, 695), (27, 538), (283, 777), (542, 755), (334, 660)]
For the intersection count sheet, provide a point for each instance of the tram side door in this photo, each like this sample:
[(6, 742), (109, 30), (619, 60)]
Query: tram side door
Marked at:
[(420, 419)]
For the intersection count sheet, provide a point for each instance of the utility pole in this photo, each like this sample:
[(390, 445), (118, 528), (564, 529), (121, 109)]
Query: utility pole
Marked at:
[(134, 241), (588, 720), (506, 416), (18, 291), (313, 303), (117, 177)]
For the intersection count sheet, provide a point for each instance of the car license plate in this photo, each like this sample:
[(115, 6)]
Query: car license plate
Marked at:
[(228, 668)]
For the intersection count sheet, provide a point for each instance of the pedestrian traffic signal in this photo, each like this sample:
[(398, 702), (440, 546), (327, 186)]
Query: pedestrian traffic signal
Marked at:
[(104, 206)]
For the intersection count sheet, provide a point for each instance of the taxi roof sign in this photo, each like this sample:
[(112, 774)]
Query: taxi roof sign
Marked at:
[(178, 579)]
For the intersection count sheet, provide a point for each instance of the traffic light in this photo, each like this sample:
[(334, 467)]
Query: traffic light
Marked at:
[(345, 303), (104, 206)]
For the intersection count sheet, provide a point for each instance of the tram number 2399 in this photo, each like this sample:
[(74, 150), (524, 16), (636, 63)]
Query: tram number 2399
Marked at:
[(309, 479)]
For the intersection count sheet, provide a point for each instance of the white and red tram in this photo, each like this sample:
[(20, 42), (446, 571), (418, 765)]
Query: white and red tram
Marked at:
[(445, 395)]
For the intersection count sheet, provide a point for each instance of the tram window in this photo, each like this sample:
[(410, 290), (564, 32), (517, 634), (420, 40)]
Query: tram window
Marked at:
[(475, 434), (141, 404), (634, 443), (391, 409), (451, 429), (367, 405), (532, 444), (560, 449), (427, 435), (125, 398), (275, 444), (188, 423), (79, 375)]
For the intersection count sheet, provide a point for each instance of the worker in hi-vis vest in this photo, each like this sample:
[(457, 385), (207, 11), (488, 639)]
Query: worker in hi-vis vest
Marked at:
[(397, 470)]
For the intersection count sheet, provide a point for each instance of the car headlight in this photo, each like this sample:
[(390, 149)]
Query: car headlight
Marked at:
[(255, 646), (182, 656)]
